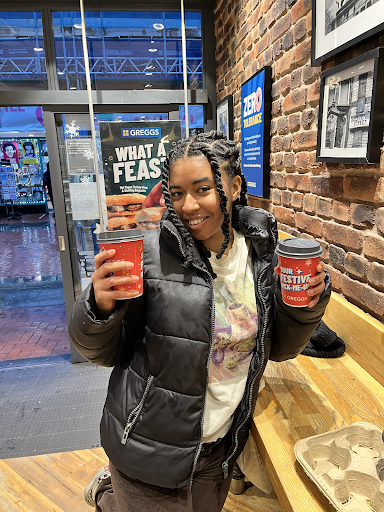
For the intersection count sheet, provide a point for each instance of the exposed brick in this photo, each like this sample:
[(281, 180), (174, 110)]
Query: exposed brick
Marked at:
[(303, 52), (343, 235), (287, 40), (287, 142), (297, 199), (285, 85), (280, 27), (277, 49), (276, 143), (304, 140), (300, 9), (309, 224), (276, 196), (356, 265), (282, 124), (296, 79), (313, 93), (379, 193), (365, 296), (307, 117), (276, 89), (286, 197), (299, 30), (360, 187), (375, 275), (327, 186), (294, 122), (374, 247), (362, 215), (325, 247), (324, 207), (273, 129), (286, 63), (285, 215), (279, 8), (276, 107), (289, 160), (341, 211), (302, 160), (310, 74), (299, 182), (337, 255), (309, 203), (380, 219), (279, 160), (308, 22), (335, 277), (294, 102), (278, 179)]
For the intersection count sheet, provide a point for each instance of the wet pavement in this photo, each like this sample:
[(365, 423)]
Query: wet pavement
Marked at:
[(31, 289)]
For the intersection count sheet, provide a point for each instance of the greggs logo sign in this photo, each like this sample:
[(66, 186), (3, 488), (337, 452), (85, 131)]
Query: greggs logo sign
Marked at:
[(252, 108)]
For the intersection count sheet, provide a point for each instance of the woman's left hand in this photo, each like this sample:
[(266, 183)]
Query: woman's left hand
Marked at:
[(316, 283)]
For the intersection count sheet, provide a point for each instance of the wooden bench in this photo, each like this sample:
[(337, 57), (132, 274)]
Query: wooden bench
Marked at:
[(309, 396)]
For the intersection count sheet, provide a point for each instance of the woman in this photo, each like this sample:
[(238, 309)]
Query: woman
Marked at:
[(189, 353)]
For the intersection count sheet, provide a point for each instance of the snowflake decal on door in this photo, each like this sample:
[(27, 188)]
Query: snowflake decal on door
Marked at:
[(88, 154), (72, 130), (85, 180)]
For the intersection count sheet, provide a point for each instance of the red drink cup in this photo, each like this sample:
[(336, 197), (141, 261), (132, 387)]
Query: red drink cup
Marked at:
[(128, 245), (298, 259)]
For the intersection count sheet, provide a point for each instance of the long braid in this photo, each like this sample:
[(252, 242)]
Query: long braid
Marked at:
[(220, 152)]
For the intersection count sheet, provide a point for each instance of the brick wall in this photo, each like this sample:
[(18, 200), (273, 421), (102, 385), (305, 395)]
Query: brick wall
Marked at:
[(342, 206)]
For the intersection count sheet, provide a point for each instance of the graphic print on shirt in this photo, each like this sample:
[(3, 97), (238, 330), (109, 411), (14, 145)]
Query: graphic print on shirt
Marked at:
[(235, 328)]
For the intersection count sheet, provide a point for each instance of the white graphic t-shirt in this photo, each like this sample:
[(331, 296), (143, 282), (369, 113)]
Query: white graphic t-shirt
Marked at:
[(234, 337)]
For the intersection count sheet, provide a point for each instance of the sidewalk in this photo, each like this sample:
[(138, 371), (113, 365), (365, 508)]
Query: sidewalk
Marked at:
[(32, 310)]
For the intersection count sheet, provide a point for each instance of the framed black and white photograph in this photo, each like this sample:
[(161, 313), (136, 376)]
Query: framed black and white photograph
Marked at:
[(224, 116), (340, 24), (351, 114)]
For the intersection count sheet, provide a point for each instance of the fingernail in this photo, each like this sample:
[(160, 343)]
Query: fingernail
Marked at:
[(129, 264), (135, 278), (111, 251), (311, 282)]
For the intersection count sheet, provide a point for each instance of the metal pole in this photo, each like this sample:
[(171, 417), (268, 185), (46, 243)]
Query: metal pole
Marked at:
[(91, 114), (184, 44)]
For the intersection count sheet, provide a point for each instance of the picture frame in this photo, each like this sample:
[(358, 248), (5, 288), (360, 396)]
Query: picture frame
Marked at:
[(256, 114), (224, 116), (351, 111), (341, 24)]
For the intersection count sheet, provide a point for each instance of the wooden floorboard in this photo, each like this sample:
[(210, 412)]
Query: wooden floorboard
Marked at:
[(55, 483)]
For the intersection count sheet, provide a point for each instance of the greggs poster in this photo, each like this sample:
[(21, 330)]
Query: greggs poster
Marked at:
[(133, 154)]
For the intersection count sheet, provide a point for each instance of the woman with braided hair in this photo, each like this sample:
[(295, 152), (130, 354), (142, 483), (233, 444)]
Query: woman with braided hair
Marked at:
[(189, 352)]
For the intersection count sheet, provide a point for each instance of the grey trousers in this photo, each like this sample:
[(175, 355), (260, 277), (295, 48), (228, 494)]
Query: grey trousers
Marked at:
[(208, 494)]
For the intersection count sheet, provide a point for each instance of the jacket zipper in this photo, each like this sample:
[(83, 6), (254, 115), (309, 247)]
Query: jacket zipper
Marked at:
[(225, 464), (132, 418), (197, 455)]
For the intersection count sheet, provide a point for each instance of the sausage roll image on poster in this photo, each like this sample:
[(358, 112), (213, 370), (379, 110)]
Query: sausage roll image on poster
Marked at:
[(124, 204), (149, 218), (122, 222)]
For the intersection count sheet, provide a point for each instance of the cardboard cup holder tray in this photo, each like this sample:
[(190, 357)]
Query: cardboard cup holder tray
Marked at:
[(347, 465)]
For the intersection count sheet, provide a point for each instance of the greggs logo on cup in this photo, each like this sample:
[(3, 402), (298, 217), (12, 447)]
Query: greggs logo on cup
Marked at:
[(129, 247), (298, 259)]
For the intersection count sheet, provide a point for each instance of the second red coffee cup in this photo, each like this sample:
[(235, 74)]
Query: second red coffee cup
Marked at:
[(298, 259), (128, 245)]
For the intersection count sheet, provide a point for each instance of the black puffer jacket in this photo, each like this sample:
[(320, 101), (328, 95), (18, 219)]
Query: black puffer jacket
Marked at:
[(160, 345)]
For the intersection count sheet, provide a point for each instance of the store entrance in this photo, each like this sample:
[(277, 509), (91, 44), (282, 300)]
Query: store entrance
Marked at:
[(32, 305), (75, 189)]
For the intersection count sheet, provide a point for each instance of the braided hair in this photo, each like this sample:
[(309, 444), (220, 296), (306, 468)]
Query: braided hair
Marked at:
[(218, 150)]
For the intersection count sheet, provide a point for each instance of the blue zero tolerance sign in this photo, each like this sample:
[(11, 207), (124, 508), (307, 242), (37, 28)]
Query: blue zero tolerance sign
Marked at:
[(255, 132)]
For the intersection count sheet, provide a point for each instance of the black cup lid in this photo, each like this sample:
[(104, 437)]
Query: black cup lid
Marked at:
[(120, 234), (298, 248)]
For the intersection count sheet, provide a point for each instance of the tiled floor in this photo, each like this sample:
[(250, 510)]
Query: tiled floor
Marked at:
[(32, 311)]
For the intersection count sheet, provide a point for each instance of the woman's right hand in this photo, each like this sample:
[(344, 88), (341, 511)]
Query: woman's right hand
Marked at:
[(102, 283)]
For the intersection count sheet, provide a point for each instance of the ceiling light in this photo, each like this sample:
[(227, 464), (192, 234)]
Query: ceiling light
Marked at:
[(38, 49), (152, 49), (73, 88), (151, 67), (148, 85), (158, 26), (31, 134), (148, 73), (76, 25), (60, 72)]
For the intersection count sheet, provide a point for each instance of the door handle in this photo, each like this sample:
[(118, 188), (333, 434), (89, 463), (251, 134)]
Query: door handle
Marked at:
[(61, 243)]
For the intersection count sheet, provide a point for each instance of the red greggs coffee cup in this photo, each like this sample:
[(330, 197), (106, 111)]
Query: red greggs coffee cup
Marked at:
[(298, 259), (128, 245)]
